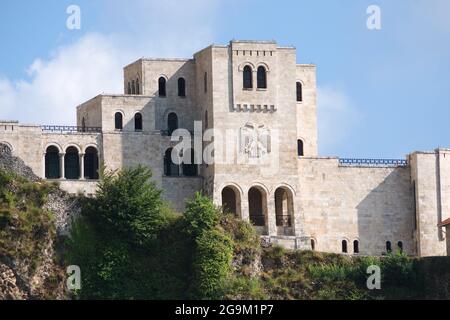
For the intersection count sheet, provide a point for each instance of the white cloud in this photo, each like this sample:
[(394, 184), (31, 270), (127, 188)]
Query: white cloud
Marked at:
[(93, 64), (337, 117)]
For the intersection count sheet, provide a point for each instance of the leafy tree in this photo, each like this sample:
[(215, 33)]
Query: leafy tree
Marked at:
[(201, 214)]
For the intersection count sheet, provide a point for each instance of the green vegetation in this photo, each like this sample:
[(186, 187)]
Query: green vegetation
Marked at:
[(130, 245)]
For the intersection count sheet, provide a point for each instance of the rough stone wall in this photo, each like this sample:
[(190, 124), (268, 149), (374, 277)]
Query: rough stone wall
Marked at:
[(371, 205)]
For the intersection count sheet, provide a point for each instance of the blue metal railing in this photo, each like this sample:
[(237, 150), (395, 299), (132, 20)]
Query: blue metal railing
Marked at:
[(373, 162), (70, 129)]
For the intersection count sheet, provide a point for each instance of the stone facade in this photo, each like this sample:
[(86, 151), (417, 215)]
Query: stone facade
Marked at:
[(255, 107)]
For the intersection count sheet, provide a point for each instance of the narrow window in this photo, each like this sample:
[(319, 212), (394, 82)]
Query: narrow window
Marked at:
[(356, 246), (344, 246), (133, 87), (299, 92), (138, 122), (313, 245), (262, 78), (400, 246), (162, 87), (83, 124), (52, 163), (388, 247), (138, 90), (189, 166), (247, 77), (181, 87), (205, 82), (118, 119), (172, 123), (129, 88), (91, 164), (170, 168), (206, 119), (300, 151)]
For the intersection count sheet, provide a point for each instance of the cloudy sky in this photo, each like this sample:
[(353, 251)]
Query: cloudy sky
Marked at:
[(381, 93)]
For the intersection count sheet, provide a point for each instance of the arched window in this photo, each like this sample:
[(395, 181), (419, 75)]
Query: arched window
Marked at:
[(300, 151), (181, 87), (283, 207), (91, 164), (400, 246), (138, 122), (388, 247), (118, 121), (257, 206), (313, 245), (129, 88), (344, 246), (170, 168), (356, 246), (172, 123), (72, 163), (162, 87), (231, 201), (138, 90), (205, 82), (299, 92), (189, 165), (247, 77), (133, 87), (52, 164), (261, 77)]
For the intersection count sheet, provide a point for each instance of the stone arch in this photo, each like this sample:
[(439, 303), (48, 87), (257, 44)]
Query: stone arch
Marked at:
[(263, 64), (356, 246), (54, 144), (52, 163), (91, 163), (284, 210), (244, 64), (231, 200), (313, 243), (162, 85), (257, 205), (72, 162), (344, 245), (75, 145), (119, 116), (5, 146)]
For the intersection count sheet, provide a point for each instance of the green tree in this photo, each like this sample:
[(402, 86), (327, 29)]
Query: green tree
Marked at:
[(200, 214)]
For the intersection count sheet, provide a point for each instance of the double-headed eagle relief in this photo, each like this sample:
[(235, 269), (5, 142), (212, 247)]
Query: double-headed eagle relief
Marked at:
[(255, 140)]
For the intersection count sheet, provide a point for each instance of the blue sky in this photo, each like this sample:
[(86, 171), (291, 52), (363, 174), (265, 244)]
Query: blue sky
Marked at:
[(381, 93)]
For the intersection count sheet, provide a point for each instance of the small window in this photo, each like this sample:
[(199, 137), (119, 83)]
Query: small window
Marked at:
[(138, 90), (83, 124), (356, 246), (247, 77), (388, 247), (206, 119), (300, 151), (133, 87), (190, 168), (172, 123), (400, 246), (205, 82), (299, 92), (129, 88), (138, 122), (162, 87), (262, 78), (118, 119), (170, 168), (181, 87), (313, 245), (344, 246)]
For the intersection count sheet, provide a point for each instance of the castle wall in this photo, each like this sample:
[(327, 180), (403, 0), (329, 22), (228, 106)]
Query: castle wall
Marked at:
[(430, 174), (371, 205)]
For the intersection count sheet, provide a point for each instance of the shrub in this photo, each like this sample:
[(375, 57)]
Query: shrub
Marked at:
[(212, 264), (201, 214)]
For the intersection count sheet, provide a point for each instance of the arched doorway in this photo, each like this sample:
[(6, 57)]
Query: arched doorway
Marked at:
[(91, 164), (257, 205), (284, 211), (231, 201), (72, 163), (52, 165)]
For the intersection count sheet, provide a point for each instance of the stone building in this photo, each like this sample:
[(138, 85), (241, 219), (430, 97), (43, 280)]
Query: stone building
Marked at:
[(252, 108)]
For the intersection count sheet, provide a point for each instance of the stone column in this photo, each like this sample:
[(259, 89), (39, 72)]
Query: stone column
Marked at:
[(245, 215), (271, 221), (61, 166), (43, 166), (82, 166)]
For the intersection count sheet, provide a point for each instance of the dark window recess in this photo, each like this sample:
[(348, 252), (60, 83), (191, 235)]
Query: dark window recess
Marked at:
[(262, 78), (247, 77), (162, 87)]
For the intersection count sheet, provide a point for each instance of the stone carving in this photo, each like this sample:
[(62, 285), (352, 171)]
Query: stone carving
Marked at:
[(255, 140)]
